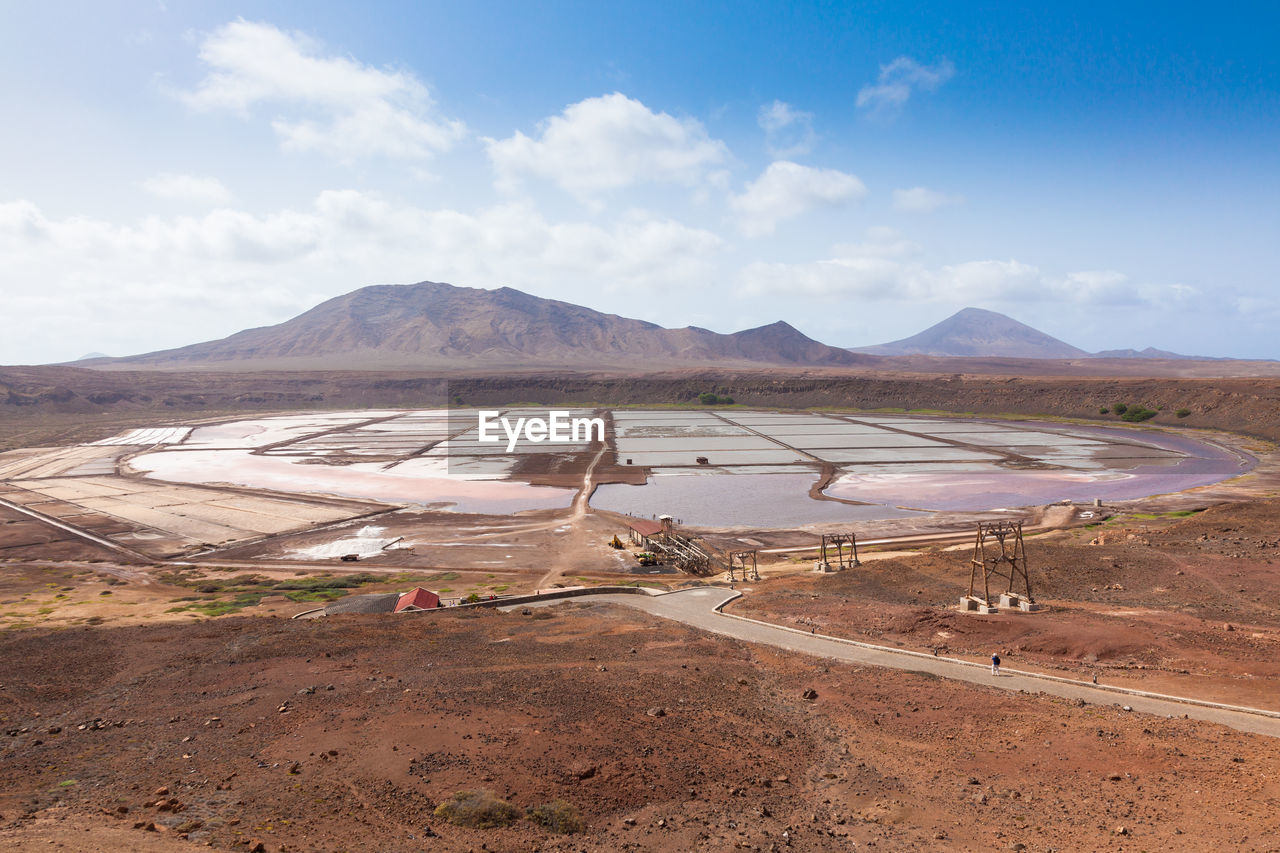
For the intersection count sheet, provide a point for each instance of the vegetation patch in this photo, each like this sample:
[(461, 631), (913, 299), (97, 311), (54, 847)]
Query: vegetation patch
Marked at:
[(477, 810), (1137, 414), (557, 816), (220, 596)]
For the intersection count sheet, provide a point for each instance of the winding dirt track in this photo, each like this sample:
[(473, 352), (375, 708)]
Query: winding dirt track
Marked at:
[(700, 608)]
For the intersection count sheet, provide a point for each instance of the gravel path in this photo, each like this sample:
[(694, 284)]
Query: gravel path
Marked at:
[(700, 608)]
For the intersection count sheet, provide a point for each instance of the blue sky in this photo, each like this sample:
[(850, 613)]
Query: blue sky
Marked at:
[(174, 172)]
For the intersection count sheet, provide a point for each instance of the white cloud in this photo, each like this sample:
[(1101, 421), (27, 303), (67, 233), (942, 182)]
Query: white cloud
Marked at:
[(880, 242), (898, 80), (923, 200), (984, 281), (334, 105), (786, 190), (90, 284), (788, 132), (194, 188), (882, 269), (608, 143)]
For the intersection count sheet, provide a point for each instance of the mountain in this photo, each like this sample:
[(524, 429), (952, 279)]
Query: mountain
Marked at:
[(1150, 352), (432, 325), (90, 355), (978, 332)]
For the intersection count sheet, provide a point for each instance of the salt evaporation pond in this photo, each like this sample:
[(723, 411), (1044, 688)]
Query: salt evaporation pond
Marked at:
[(240, 468), (1111, 473), (724, 469), (762, 501), (896, 464)]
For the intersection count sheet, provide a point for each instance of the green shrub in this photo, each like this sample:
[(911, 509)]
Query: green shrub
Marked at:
[(710, 398), (557, 816), (477, 810), (1182, 413), (1119, 408), (1137, 414), (1104, 411)]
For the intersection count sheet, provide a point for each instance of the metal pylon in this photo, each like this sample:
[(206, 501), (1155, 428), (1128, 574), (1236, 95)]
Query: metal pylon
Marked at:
[(998, 556)]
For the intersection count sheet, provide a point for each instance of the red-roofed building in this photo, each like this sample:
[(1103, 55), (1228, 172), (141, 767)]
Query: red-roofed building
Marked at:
[(418, 599), (642, 530)]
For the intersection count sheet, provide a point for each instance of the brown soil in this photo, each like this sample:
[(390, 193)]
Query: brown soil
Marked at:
[(554, 705), (1189, 606), (55, 405), (406, 711)]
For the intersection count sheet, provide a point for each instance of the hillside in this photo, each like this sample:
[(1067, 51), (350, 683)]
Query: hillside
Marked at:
[(975, 332), (439, 326)]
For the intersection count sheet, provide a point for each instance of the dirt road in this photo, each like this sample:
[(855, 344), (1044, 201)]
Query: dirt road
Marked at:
[(700, 609)]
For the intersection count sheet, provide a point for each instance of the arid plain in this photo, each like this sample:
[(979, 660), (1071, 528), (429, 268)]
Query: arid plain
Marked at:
[(146, 595)]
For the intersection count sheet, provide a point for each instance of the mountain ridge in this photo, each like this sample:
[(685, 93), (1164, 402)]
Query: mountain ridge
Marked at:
[(432, 324), (438, 326)]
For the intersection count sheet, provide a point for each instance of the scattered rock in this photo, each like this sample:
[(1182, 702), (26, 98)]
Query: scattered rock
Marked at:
[(1122, 830), (809, 694), (656, 712)]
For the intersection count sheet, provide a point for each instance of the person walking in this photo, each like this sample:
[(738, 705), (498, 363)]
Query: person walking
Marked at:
[(995, 664)]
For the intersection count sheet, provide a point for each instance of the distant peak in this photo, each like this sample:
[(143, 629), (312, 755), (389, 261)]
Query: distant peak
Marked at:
[(977, 332)]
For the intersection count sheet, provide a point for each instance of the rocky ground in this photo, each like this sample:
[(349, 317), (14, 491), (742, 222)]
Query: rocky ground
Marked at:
[(56, 405), (347, 734), (1180, 603)]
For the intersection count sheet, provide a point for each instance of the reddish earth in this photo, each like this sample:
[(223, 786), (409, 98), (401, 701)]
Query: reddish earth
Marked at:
[(101, 708), (211, 731), (1189, 606)]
